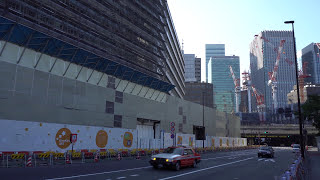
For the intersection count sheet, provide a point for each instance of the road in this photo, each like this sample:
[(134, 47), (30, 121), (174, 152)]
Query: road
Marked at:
[(221, 165)]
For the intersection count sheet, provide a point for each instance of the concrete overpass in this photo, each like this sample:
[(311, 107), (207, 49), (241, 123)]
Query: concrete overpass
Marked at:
[(277, 134)]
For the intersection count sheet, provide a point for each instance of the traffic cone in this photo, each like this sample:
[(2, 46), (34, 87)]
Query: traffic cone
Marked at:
[(68, 159), (138, 156), (96, 158), (29, 162), (119, 157)]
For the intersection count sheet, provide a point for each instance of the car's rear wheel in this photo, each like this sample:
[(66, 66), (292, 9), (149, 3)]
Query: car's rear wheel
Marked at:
[(194, 165), (177, 167), (155, 166)]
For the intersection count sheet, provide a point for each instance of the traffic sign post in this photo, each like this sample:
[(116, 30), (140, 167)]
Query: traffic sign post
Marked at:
[(172, 124), (73, 139)]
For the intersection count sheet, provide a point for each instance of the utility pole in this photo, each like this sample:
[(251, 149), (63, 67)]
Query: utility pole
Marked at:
[(203, 117)]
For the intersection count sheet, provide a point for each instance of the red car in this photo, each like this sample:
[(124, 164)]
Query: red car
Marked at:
[(176, 157)]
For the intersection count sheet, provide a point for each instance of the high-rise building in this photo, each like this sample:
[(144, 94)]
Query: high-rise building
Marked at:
[(200, 93), (130, 40), (192, 68), (264, 50), (223, 84), (311, 58), (198, 69), (213, 50)]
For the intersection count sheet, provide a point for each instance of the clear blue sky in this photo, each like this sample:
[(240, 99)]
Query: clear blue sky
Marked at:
[(235, 22)]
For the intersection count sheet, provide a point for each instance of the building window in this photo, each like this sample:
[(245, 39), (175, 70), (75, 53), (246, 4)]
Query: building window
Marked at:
[(109, 107), (180, 110), (184, 119), (111, 82), (180, 127), (119, 97), (117, 121)]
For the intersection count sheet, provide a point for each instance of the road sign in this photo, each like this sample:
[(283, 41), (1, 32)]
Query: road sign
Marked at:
[(73, 138), (172, 136), (172, 129), (172, 124)]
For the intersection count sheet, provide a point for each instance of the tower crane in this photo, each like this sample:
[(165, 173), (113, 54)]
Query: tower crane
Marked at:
[(273, 77), (237, 88), (260, 103), (302, 75)]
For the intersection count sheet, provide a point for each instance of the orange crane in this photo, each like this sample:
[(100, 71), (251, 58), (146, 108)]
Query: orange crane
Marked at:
[(273, 77), (237, 88)]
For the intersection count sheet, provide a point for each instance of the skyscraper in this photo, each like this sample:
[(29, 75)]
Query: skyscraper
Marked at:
[(192, 66), (198, 69), (264, 50), (213, 50), (223, 84), (311, 57)]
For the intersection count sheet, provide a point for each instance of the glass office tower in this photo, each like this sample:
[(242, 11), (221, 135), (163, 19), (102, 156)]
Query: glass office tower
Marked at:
[(213, 50), (223, 85)]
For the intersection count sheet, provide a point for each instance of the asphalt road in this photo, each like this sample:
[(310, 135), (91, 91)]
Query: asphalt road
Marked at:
[(222, 165)]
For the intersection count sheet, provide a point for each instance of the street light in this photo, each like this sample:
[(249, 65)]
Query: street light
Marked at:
[(298, 93)]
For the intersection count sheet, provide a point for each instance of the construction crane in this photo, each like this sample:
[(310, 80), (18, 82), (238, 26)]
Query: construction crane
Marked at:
[(302, 75), (273, 77), (260, 103), (246, 82), (237, 88)]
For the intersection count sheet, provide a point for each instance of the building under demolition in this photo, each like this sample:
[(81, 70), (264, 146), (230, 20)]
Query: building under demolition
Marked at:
[(101, 69)]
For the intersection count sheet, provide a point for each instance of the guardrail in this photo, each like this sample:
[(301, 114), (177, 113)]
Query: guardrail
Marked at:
[(296, 171)]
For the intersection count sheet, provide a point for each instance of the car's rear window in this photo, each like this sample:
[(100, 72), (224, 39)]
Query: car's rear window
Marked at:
[(173, 151), (264, 148), (296, 146)]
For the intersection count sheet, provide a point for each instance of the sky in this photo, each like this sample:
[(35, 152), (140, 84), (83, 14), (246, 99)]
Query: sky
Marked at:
[(235, 22)]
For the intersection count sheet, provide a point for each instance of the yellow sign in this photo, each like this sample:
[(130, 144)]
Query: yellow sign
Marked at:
[(220, 142), (102, 139), (228, 142), (63, 138)]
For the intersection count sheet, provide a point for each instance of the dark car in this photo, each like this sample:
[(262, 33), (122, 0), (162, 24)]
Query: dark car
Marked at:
[(266, 151), (175, 157)]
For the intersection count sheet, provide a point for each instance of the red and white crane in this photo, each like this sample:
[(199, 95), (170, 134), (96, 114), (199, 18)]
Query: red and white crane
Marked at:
[(237, 88), (273, 77), (260, 103), (302, 75)]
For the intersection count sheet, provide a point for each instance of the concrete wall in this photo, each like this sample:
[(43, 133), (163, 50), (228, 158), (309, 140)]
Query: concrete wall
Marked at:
[(37, 95)]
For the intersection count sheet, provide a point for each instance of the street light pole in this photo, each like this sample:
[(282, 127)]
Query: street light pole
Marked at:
[(298, 90)]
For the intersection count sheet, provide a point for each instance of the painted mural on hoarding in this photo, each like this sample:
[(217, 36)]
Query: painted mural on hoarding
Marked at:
[(212, 142), (63, 138), (127, 139), (179, 141), (102, 139), (191, 141)]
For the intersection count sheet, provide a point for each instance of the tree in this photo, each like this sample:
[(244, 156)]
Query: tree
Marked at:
[(311, 111)]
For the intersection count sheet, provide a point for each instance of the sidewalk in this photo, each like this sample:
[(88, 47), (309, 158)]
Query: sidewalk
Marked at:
[(313, 164)]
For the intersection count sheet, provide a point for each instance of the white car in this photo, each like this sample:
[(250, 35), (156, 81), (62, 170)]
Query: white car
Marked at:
[(296, 148)]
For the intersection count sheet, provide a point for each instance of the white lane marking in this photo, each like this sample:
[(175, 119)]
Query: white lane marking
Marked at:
[(269, 160), (261, 159), (93, 174), (121, 177), (134, 175), (212, 167), (224, 157), (108, 179)]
